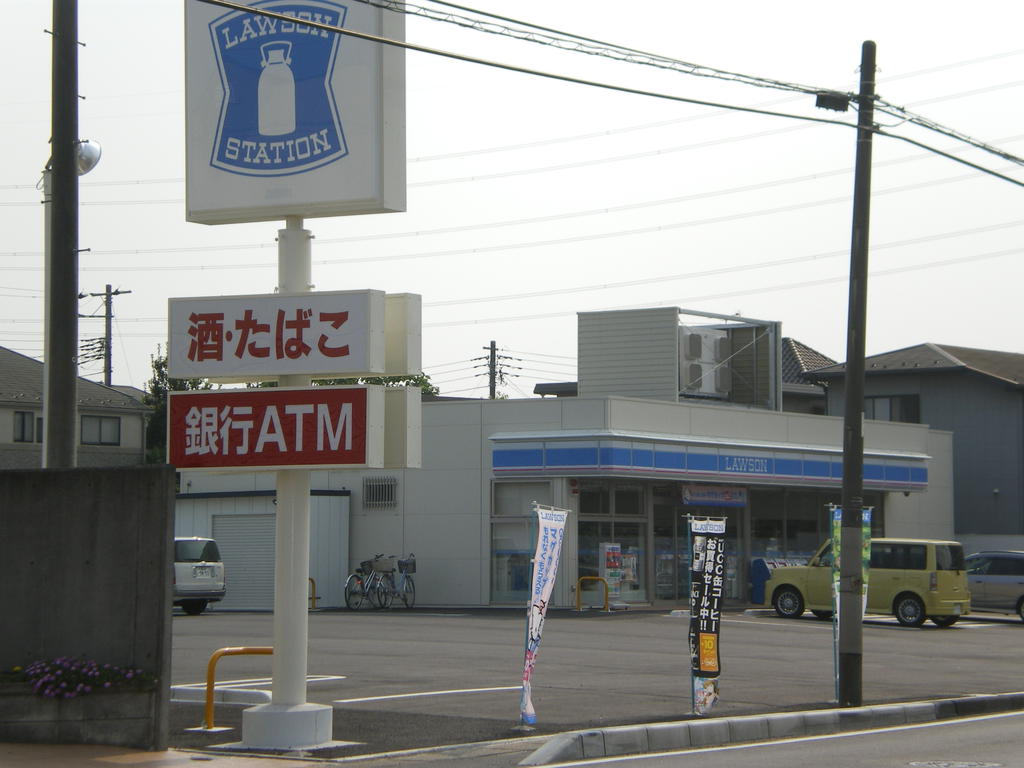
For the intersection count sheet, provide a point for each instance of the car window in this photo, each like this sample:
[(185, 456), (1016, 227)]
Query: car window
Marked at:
[(1006, 566), (949, 557), (188, 551), (978, 565), (899, 556), (825, 558)]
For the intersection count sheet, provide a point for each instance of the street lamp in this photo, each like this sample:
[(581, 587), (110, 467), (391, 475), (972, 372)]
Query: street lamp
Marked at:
[(60, 327)]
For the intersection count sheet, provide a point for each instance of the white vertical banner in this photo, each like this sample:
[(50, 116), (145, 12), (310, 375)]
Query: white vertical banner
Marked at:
[(550, 534)]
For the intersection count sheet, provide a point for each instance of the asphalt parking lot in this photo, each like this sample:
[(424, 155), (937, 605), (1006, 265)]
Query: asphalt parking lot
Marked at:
[(403, 680)]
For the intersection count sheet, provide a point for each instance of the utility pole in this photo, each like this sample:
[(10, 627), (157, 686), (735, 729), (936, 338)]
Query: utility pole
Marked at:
[(851, 628), (60, 374), (108, 314), (496, 367), (492, 370)]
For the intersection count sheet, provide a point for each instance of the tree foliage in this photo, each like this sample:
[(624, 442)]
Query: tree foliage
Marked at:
[(156, 398)]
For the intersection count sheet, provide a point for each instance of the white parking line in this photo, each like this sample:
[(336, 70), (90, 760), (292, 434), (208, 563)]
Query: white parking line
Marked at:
[(428, 693), (232, 684)]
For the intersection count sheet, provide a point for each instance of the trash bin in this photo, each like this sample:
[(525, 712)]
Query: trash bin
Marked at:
[(759, 575)]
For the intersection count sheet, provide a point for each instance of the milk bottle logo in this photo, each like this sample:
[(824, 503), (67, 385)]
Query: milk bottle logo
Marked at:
[(276, 90), (278, 113)]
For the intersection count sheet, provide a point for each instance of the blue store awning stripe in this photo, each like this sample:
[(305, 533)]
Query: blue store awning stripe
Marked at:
[(803, 467)]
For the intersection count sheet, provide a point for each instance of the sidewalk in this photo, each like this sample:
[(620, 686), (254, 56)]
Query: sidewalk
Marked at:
[(544, 750), (75, 755)]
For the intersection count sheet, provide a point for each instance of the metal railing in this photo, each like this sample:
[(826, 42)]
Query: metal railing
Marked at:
[(211, 670), (579, 590)]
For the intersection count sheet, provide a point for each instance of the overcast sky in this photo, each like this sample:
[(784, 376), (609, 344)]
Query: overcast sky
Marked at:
[(530, 200)]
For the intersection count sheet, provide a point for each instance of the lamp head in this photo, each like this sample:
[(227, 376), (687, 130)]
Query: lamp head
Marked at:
[(87, 154)]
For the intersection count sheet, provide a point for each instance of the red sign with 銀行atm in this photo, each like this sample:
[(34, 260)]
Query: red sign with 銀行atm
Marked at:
[(275, 427)]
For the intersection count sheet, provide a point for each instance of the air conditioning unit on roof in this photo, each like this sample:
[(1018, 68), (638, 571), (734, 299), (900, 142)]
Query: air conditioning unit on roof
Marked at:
[(704, 362)]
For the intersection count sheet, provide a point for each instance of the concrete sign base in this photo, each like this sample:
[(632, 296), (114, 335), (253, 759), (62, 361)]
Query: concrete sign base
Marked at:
[(284, 726)]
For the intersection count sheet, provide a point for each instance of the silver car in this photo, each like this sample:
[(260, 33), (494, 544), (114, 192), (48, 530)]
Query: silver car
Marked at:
[(198, 574), (996, 581)]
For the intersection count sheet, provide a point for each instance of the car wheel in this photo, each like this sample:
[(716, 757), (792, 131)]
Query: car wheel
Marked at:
[(788, 602), (822, 614), (909, 610), (943, 621), (193, 607)]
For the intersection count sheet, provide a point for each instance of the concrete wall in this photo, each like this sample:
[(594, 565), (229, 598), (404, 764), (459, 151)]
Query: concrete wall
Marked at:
[(86, 559)]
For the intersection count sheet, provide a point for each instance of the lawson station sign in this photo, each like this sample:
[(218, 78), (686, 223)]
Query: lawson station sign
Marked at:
[(288, 116)]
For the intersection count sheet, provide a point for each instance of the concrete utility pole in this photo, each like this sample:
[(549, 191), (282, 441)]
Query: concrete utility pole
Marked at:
[(108, 315), (492, 370), (851, 628), (60, 374)]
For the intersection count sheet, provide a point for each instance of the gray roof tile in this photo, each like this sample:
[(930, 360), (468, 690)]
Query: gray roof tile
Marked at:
[(21, 381)]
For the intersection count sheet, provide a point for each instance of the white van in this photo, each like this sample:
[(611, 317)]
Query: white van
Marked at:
[(198, 574)]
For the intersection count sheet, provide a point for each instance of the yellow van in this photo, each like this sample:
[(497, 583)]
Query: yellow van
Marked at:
[(913, 579)]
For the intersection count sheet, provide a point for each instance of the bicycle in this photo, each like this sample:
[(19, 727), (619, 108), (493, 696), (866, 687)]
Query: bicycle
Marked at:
[(405, 589), (366, 583)]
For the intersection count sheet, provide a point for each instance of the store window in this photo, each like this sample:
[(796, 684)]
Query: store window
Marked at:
[(101, 430), (513, 539), (792, 523)]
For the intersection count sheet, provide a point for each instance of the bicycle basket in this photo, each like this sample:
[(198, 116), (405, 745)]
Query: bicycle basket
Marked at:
[(407, 566), (383, 564), (366, 566)]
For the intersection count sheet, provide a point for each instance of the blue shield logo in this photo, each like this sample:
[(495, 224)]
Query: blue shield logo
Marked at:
[(278, 115)]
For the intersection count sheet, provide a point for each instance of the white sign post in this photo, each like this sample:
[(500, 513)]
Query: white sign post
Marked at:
[(289, 119)]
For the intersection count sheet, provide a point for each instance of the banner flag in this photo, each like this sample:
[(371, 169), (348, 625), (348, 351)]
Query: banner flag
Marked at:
[(707, 574), (836, 515), (550, 533)]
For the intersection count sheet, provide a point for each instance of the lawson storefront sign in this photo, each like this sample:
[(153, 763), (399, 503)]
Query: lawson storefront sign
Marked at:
[(683, 459), (289, 116)]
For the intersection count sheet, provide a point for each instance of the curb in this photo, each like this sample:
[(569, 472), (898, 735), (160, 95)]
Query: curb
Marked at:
[(663, 737), (188, 693)]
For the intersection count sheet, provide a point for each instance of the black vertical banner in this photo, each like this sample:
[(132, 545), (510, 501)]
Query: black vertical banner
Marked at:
[(707, 579)]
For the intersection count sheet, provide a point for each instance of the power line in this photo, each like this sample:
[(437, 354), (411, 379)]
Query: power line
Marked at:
[(578, 44), (743, 292), (609, 86), (515, 68)]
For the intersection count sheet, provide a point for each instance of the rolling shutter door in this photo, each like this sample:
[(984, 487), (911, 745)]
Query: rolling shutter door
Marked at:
[(247, 547)]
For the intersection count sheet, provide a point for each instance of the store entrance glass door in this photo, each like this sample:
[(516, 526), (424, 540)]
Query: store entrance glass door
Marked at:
[(671, 555), (614, 551)]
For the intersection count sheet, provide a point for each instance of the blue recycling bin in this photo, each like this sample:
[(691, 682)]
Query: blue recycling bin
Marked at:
[(759, 575)]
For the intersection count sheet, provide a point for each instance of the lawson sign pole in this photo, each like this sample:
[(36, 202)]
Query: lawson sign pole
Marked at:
[(288, 120), (288, 715)]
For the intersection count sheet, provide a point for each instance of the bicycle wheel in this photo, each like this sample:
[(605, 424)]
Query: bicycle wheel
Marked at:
[(385, 590), (408, 591), (355, 592)]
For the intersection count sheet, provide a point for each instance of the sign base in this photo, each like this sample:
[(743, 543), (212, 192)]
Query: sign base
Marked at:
[(283, 726)]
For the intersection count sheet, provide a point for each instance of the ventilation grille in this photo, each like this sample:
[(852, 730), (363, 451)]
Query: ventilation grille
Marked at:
[(380, 492)]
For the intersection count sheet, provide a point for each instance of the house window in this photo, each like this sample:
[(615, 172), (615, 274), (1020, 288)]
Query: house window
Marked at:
[(28, 428), (905, 408), (101, 430)]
